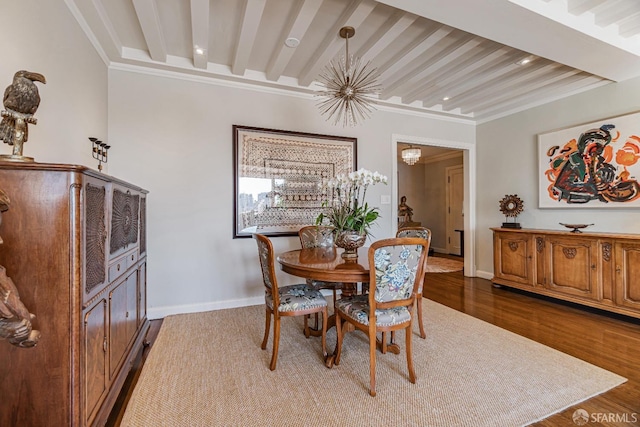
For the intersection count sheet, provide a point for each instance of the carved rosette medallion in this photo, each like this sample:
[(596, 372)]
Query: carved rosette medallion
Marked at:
[(513, 246), (124, 220), (95, 235), (539, 244), (606, 252), (570, 253)]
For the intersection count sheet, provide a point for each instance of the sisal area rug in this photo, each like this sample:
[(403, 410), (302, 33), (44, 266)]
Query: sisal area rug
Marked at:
[(207, 369), (443, 265)]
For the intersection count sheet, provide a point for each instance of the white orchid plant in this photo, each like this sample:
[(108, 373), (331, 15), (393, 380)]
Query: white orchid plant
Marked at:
[(347, 209)]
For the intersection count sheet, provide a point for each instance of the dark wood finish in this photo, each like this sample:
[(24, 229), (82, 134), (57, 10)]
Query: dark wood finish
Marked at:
[(56, 236), (595, 269), (598, 337)]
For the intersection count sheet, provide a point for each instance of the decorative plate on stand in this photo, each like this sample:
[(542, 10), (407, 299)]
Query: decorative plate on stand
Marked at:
[(511, 206), (576, 227)]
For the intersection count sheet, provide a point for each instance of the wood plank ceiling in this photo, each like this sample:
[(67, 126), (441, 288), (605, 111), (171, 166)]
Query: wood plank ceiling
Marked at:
[(425, 65)]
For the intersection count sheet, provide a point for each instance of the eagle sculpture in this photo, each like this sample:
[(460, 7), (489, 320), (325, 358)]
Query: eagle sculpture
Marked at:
[(15, 319), (21, 100)]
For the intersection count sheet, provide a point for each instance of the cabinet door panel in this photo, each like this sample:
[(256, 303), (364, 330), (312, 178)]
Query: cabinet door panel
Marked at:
[(142, 293), (122, 325), (513, 260), (95, 343), (627, 256), (572, 266)]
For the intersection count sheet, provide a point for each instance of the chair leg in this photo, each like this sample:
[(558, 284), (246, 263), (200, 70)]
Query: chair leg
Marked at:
[(267, 325), (372, 361), (325, 315), (338, 349), (306, 330), (276, 341), (412, 373), (423, 335)]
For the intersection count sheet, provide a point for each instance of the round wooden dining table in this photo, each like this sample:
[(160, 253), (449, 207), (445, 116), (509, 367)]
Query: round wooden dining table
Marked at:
[(327, 265)]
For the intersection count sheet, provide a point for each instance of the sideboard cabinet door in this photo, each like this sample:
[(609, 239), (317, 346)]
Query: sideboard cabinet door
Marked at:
[(513, 257), (572, 266), (627, 258)]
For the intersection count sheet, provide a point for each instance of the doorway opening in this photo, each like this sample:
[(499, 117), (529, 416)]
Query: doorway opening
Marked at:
[(437, 189)]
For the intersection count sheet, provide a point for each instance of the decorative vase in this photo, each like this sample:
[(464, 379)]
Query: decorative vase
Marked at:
[(350, 241)]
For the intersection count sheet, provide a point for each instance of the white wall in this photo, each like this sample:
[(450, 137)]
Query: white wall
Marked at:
[(174, 138), (43, 37), (508, 164)]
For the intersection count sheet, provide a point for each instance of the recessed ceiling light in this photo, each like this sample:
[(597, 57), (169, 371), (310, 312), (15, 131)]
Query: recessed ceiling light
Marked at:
[(292, 42), (446, 98), (524, 61)]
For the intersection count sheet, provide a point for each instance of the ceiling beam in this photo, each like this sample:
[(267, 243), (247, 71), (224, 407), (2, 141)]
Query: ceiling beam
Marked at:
[(578, 7), (297, 25), (439, 61), (504, 82), (353, 16), (149, 19), (251, 16), (581, 82), (200, 32), (481, 75), (487, 53), (395, 68), (415, 67), (397, 23)]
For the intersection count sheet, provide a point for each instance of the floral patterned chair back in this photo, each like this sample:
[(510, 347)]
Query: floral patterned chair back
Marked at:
[(423, 233), (395, 268), (396, 265)]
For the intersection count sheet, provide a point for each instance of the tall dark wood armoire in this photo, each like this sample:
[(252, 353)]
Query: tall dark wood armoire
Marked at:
[(75, 247)]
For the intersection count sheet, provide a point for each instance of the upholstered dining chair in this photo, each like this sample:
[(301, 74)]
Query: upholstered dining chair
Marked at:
[(318, 236), (395, 268), (292, 300), (423, 233)]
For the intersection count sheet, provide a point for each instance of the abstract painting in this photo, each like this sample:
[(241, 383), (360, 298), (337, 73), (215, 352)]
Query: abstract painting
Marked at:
[(279, 177), (595, 165)]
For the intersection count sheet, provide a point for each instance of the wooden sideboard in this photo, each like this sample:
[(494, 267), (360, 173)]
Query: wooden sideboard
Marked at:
[(75, 247), (600, 270)]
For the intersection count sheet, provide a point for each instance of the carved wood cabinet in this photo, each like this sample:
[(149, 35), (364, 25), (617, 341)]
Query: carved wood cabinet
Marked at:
[(600, 270), (75, 246)]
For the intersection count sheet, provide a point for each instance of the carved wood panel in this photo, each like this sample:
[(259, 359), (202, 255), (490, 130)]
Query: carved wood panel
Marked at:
[(124, 220), (513, 255), (573, 266), (95, 236), (143, 225)]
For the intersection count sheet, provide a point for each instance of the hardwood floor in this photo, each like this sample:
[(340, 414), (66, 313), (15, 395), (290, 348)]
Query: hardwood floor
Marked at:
[(606, 340)]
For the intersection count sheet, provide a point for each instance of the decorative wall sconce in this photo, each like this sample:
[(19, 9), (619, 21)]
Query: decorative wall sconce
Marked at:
[(99, 151), (411, 155)]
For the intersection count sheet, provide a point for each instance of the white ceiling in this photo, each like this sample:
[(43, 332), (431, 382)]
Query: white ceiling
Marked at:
[(424, 50)]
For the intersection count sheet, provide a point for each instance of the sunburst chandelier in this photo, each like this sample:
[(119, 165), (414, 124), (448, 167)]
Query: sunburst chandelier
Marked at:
[(349, 87), (411, 155)]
